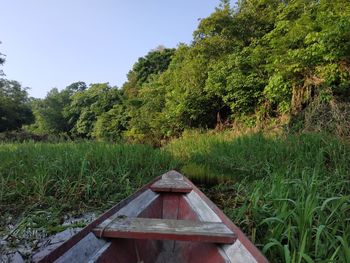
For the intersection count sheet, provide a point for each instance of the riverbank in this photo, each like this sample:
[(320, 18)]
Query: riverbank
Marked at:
[(289, 193)]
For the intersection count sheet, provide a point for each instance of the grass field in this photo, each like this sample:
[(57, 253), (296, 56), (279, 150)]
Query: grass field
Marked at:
[(43, 182), (290, 194)]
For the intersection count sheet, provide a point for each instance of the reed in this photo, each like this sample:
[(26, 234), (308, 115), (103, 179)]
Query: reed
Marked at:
[(74, 176), (289, 193)]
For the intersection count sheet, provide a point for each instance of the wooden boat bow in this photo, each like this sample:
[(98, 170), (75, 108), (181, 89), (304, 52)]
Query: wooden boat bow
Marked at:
[(168, 220)]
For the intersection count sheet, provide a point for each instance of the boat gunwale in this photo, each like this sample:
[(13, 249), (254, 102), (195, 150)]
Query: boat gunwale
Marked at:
[(65, 246), (253, 250), (69, 243)]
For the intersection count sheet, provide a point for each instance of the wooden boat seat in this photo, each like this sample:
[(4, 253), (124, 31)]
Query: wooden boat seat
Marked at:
[(165, 229), (171, 182)]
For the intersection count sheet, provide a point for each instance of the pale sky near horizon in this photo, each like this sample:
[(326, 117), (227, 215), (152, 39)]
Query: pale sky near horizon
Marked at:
[(55, 43)]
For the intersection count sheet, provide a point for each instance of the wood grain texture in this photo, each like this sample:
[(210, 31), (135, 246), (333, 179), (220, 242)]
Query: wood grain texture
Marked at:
[(172, 181), (238, 253), (83, 250), (166, 229), (201, 208), (69, 244), (245, 242), (173, 175), (152, 246), (137, 206), (100, 253), (171, 185)]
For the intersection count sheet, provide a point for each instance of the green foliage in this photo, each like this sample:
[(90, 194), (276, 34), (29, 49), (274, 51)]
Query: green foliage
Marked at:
[(145, 94), (2, 61), (187, 102), (308, 47), (49, 113), (256, 62), (277, 90), (262, 59), (290, 194), (15, 110), (216, 28), (239, 81), (146, 123), (87, 105), (110, 125), (14, 106), (79, 111), (74, 176), (154, 63)]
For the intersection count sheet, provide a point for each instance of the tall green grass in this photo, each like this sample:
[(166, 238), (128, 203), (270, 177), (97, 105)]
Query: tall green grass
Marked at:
[(68, 177), (290, 194)]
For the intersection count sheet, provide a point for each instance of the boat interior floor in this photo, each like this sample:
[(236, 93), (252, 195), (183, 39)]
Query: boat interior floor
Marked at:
[(164, 227), (168, 220)]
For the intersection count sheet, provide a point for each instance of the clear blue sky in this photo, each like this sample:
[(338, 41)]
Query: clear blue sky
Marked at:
[(52, 43)]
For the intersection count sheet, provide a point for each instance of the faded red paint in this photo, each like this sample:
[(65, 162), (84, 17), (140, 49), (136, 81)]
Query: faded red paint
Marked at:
[(259, 257), (168, 205), (185, 211), (196, 252), (168, 236), (121, 251), (59, 251), (154, 210)]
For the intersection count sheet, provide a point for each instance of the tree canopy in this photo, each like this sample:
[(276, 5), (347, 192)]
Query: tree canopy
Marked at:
[(255, 61), (2, 61), (14, 106)]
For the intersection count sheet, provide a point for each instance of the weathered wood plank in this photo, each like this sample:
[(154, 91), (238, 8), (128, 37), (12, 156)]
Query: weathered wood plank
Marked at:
[(166, 229), (83, 250), (173, 175), (99, 254), (226, 250), (136, 206), (201, 208), (172, 181), (238, 253), (171, 185), (170, 211)]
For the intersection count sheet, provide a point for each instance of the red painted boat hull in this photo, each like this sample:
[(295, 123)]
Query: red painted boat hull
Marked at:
[(154, 203)]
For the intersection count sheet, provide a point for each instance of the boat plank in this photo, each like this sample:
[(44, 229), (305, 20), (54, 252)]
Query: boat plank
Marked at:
[(201, 208), (228, 250), (84, 250), (97, 256), (171, 185), (166, 229), (173, 175), (238, 253), (136, 206), (170, 210)]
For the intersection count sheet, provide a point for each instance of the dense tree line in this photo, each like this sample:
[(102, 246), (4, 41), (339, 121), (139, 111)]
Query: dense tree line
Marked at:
[(258, 60), (15, 110)]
